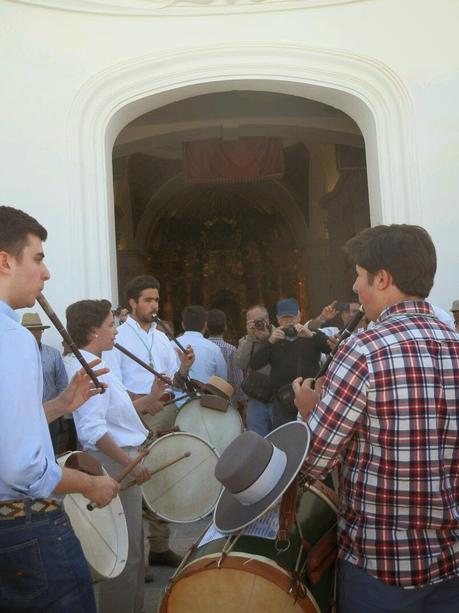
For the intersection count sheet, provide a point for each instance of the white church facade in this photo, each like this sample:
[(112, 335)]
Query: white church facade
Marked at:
[(76, 73)]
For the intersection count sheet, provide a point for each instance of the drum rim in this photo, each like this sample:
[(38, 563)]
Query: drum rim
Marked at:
[(234, 411), (181, 521), (188, 570), (122, 540)]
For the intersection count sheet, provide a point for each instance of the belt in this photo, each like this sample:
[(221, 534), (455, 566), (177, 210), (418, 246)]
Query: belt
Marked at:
[(12, 509)]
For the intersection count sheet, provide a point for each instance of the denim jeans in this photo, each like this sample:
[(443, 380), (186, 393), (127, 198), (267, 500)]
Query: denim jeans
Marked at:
[(359, 592), (259, 417), (42, 566)]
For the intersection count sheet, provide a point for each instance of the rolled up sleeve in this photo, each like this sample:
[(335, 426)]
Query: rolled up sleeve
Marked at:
[(27, 464)]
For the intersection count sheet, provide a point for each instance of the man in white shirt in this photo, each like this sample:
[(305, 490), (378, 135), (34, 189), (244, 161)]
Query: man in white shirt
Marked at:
[(140, 335), (109, 427), (209, 358), (42, 565)]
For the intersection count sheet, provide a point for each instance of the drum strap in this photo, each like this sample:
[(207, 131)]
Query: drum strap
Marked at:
[(322, 555), (287, 512)]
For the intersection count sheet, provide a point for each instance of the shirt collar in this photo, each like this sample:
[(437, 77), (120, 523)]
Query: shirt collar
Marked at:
[(8, 311), (407, 307), (130, 321), (193, 333)]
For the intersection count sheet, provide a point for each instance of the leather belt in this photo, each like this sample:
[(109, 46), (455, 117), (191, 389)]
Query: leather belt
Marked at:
[(12, 509)]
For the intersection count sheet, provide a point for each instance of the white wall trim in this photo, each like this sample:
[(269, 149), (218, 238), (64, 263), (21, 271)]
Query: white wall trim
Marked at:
[(179, 8), (362, 87)]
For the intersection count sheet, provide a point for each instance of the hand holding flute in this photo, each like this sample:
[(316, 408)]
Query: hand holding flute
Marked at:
[(307, 391)]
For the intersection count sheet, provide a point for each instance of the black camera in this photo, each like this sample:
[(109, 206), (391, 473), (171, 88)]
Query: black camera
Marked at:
[(290, 331), (259, 324)]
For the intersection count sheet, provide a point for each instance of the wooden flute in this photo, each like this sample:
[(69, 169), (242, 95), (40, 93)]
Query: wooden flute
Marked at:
[(68, 339)]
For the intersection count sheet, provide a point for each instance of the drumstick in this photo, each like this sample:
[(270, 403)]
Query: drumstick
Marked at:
[(124, 473), (157, 470)]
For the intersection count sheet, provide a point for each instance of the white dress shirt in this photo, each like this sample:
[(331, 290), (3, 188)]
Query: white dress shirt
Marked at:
[(209, 359), (109, 413), (27, 465), (152, 347)]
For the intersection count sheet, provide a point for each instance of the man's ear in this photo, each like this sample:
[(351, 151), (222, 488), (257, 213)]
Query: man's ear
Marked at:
[(5, 263), (383, 279), (131, 303)]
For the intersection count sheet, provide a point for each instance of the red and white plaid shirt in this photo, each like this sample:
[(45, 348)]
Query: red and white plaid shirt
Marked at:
[(389, 412)]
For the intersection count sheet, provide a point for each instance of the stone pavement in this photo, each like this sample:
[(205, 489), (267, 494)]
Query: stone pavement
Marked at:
[(182, 537)]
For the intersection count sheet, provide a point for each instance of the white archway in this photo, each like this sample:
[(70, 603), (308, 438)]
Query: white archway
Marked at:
[(365, 89)]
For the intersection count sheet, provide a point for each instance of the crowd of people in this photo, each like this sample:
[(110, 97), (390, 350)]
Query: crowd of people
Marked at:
[(386, 414)]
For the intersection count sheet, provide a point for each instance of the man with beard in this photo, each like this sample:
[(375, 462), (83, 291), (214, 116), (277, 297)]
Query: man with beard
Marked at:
[(142, 338)]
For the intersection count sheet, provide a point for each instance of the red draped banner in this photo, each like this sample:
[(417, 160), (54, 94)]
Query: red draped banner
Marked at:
[(246, 159)]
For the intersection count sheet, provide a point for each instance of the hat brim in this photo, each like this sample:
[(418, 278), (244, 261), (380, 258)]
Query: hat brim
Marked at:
[(35, 327), (230, 515), (215, 390)]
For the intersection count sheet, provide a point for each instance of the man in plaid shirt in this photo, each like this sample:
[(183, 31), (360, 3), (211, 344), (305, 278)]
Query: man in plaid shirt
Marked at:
[(388, 413)]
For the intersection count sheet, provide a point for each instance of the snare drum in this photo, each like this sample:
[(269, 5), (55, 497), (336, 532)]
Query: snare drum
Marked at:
[(249, 572), (186, 490), (217, 427), (102, 532)]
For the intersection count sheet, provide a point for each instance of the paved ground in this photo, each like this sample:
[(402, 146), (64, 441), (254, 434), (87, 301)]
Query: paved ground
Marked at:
[(182, 537)]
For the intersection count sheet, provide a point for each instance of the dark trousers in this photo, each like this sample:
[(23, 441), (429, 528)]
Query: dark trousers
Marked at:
[(42, 566), (359, 592)]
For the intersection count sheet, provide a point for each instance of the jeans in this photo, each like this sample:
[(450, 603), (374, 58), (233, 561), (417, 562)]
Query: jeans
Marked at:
[(42, 566), (359, 592), (259, 417)]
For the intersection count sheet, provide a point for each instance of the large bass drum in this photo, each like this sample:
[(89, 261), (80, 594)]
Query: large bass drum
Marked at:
[(251, 572), (185, 490), (102, 532), (219, 428)]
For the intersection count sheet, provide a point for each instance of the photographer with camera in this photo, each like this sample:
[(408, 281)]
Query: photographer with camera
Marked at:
[(292, 351), (257, 383)]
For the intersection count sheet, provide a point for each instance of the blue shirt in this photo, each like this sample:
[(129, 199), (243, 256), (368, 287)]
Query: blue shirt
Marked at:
[(54, 376), (209, 359), (27, 465)]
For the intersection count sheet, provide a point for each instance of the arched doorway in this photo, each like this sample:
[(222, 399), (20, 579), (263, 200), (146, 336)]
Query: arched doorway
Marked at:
[(368, 91), (232, 241)]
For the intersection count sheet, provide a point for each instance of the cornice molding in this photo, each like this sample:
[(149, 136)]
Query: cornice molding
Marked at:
[(178, 8)]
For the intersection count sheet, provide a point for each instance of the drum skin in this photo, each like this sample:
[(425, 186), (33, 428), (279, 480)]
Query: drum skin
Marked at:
[(102, 532), (253, 576), (217, 427), (187, 490)]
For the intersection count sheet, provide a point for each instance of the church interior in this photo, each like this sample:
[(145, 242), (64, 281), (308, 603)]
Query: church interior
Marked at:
[(238, 198)]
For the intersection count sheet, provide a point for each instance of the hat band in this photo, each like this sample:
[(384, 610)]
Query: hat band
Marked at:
[(267, 481)]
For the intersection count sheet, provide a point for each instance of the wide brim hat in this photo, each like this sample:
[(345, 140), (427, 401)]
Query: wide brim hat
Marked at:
[(32, 320), (230, 515), (220, 387)]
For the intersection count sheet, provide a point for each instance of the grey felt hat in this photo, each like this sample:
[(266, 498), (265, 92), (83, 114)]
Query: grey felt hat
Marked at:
[(256, 471)]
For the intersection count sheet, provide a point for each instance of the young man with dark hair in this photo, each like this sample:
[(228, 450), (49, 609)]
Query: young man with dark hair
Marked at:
[(388, 412), (110, 429), (209, 359), (216, 326), (42, 565), (194, 318), (141, 336)]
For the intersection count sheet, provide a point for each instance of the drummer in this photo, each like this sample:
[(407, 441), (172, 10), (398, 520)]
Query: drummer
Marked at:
[(109, 427), (42, 565), (140, 335)]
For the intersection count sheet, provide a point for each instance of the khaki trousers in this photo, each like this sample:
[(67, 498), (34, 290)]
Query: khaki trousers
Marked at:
[(125, 593), (159, 531)]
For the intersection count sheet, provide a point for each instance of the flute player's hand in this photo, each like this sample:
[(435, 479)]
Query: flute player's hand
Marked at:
[(81, 388), (305, 397)]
